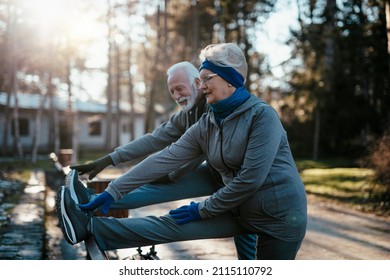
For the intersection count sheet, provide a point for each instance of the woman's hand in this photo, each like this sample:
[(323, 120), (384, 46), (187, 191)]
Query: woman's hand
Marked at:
[(186, 213), (104, 199)]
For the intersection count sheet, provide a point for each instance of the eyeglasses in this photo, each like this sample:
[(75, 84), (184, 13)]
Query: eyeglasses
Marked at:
[(206, 78)]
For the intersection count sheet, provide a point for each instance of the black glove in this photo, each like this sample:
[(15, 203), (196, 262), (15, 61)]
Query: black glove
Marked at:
[(96, 166)]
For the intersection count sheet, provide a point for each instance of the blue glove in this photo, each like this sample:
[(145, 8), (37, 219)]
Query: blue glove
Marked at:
[(104, 199), (186, 213)]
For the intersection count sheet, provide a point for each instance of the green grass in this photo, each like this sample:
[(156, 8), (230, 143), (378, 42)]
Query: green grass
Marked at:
[(350, 186), (343, 184), (303, 164), (338, 180)]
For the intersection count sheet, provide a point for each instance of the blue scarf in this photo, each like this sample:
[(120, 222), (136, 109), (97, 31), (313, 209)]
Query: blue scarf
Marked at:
[(225, 107)]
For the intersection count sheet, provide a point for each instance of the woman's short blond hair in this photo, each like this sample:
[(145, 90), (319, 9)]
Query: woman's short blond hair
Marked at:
[(226, 54)]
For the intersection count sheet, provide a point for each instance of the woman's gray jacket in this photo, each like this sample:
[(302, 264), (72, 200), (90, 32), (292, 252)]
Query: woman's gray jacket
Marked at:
[(262, 187)]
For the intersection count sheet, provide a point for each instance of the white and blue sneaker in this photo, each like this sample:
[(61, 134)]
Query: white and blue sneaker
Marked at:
[(79, 193), (73, 221)]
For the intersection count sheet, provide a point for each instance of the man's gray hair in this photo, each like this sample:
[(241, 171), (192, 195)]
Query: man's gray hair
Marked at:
[(190, 70)]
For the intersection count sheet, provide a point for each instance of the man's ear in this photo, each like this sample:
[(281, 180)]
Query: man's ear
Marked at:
[(197, 82)]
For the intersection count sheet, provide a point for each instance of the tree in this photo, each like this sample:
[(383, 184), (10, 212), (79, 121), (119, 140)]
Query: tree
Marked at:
[(344, 73), (13, 83)]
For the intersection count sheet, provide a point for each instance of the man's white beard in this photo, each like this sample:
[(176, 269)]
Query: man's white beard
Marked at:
[(190, 102)]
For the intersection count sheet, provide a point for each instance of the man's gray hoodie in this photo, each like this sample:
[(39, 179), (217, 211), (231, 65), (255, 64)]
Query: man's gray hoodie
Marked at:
[(164, 135)]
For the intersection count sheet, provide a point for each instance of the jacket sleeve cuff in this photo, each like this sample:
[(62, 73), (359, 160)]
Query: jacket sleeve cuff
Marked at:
[(202, 210), (113, 192), (115, 158)]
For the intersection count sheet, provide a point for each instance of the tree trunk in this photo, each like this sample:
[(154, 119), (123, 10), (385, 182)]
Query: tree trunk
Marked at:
[(316, 140), (131, 96), (387, 98), (118, 96), (14, 86), (16, 134), (7, 112), (108, 136), (54, 137), (150, 109), (195, 30), (329, 56), (57, 139), (37, 130), (75, 137), (7, 121), (387, 7)]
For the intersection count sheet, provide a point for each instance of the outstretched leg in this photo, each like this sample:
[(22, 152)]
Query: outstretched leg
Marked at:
[(113, 234), (198, 182)]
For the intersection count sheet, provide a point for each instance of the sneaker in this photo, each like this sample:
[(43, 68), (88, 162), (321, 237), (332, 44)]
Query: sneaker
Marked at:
[(73, 221), (78, 191)]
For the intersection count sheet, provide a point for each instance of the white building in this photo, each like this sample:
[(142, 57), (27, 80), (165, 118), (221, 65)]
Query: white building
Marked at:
[(90, 123)]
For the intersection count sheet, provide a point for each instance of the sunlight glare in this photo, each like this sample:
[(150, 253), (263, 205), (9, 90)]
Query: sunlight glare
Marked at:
[(64, 18), (46, 12)]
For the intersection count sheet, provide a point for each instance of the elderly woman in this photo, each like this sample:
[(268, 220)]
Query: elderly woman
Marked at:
[(243, 139)]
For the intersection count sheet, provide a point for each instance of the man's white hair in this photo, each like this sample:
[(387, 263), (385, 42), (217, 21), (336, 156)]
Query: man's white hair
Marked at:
[(189, 69)]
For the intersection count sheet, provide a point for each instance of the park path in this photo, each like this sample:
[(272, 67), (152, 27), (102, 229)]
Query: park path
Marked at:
[(334, 232)]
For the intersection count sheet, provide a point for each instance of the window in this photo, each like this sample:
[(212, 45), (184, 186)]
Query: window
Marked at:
[(24, 127), (125, 128), (95, 128)]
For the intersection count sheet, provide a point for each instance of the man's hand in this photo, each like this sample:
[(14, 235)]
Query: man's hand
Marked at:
[(186, 213), (104, 199), (96, 166)]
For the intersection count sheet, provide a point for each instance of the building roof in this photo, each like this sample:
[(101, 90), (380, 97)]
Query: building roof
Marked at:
[(33, 101)]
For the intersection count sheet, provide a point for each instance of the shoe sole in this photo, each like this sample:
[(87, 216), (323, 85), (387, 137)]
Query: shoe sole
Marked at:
[(65, 222)]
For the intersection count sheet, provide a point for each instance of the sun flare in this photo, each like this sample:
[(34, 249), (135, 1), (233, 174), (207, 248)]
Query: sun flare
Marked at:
[(46, 12), (71, 19)]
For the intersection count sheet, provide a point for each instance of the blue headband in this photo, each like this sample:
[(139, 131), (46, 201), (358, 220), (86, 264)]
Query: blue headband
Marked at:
[(227, 73)]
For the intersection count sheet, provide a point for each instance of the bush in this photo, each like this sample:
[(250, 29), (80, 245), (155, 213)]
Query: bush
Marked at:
[(380, 161)]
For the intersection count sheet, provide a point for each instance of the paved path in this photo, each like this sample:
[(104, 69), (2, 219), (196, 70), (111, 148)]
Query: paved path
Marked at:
[(334, 233), (23, 238)]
